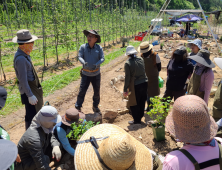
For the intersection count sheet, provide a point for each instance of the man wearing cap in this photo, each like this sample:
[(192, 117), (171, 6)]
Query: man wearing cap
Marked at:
[(91, 56), (38, 145), (62, 130), (29, 85), (202, 78)]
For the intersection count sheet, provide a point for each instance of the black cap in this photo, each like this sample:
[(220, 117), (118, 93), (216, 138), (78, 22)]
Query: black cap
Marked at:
[(3, 97)]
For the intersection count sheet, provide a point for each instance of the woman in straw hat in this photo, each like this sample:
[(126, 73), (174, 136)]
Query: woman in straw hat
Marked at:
[(202, 78), (29, 85), (136, 84), (191, 123), (178, 70), (107, 146), (217, 105), (72, 115), (152, 68)]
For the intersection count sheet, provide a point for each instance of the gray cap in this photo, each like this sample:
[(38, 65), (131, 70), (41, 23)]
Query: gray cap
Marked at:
[(196, 42), (203, 57), (8, 153), (180, 50)]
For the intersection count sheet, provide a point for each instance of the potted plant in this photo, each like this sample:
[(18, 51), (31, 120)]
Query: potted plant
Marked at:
[(78, 129), (161, 45), (160, 108)]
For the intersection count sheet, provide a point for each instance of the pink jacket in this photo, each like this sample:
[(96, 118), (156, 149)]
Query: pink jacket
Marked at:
[(176, 160), (206, 83)]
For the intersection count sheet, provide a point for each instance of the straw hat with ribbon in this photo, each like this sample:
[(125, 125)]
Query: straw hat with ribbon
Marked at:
[(190, 120), (114, 149), (72, 115), (144, 47)]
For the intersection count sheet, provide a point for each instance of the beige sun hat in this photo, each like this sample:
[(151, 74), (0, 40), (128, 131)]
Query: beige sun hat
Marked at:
[(144, 47), (24, 36), (190, 120), (119, 151)]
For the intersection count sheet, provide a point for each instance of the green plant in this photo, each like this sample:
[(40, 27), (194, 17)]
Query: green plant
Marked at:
[(161, 45), (188, 50), (79, 129), (221, 38), (160, 108)]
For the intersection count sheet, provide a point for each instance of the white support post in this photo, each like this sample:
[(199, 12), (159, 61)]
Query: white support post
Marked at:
[(209, 26)]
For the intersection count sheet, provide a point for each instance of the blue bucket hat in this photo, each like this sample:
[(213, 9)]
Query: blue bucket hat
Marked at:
[(196, 42)]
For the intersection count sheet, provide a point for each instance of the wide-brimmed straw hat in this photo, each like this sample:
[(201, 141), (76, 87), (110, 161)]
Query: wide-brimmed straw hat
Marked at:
[(190, 120), (8, 153), (130, 50), (24, 36), (86, 32), (72, 115), (144, 47), (203, 57), (196, 42), (119, 151), (218, 61)]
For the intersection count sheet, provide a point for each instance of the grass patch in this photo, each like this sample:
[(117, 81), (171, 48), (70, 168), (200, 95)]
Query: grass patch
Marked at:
[(54, 83)]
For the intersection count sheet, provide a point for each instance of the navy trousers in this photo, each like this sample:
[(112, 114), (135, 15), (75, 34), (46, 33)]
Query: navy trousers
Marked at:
[(85, 82), (30, 110)]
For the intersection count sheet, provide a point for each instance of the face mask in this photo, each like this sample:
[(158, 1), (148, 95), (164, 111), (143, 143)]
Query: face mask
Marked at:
[(27, 48)]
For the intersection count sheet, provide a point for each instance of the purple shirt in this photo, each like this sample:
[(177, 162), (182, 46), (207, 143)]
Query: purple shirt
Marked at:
[(206, 83)]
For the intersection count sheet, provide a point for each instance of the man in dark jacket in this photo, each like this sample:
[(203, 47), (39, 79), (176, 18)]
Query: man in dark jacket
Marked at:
[(37, 139)]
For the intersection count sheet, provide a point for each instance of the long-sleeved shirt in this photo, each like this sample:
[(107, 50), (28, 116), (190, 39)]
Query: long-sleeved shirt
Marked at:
[(206, 83), (176, 160), (64, 140), (24, 73), (137, 69), (92, 56)]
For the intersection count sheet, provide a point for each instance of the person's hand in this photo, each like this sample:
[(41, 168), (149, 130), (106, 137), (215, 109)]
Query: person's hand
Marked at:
[(85, 64), (33, 100), (56, 153), (18, 159), (96, 66), (125, 94)]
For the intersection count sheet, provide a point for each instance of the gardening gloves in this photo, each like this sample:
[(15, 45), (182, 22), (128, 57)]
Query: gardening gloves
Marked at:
[(56, 153), (95, 66), (33, 100)]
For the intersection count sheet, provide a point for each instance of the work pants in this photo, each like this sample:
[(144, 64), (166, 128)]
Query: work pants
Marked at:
[(85, 82), (30, 110), (141, 96)]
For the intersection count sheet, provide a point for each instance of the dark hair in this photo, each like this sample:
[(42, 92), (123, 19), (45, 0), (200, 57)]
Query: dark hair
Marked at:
[(132, 55), (179, 57), (144, 55), (21, 43)]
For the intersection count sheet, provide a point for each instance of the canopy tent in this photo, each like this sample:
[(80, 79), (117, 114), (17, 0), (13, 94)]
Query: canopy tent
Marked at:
[(189, 18), (179, 12), (216, 13), (163, 10)]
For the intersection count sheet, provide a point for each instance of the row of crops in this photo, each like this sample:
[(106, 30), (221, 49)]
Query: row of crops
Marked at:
[(59, 23)]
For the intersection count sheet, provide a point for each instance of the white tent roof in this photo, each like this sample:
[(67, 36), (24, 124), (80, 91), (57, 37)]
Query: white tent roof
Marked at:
[(177, 12), (158, 19)]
